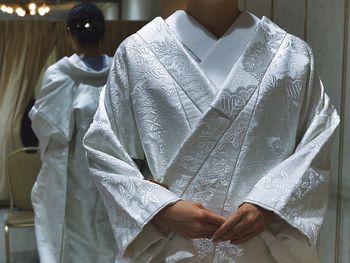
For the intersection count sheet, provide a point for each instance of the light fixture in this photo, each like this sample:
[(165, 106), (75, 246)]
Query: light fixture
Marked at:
[(19, 10), (22, 9), (41, 11), (10, 10), (32, 6), (47, 9), (22, 13), (3, 8)]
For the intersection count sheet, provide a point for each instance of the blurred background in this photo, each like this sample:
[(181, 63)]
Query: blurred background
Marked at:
[(32, 37)]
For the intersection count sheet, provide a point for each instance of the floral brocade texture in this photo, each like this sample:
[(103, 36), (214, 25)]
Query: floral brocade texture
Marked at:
[(262, 137)]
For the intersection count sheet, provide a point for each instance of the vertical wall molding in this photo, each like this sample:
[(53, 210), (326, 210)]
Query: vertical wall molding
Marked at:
[(342, 133), (120, 8), (272, 10), (306, 18)]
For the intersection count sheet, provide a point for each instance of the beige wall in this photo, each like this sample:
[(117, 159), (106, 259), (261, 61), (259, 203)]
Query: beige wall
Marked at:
[(323, 24)]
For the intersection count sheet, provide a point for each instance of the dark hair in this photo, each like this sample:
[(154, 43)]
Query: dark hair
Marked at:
[(86, 22)]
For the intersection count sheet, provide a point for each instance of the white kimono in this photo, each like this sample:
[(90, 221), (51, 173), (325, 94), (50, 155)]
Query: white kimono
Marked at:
[(71, 222), (250, 125)]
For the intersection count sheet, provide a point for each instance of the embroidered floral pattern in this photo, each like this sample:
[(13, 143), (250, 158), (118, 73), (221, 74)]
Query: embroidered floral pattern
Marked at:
[(248, 143)]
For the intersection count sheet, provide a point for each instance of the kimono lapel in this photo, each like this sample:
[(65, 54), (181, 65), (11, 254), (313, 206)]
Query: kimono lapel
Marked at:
[(215, 57), (164, 44), (219, 60), (247, 74), (197, 39), (250, 67), (238, 95)]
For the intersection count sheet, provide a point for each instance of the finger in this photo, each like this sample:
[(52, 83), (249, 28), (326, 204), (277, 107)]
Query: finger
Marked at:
[(242, 227), (204, 228), (256, 229), (212, 218), (246, 225), (200, 227), (206, 235), (210, 228), (230, 223)]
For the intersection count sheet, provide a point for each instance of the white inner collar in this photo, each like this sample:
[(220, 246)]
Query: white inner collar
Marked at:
[(191, 33), (216, 56)]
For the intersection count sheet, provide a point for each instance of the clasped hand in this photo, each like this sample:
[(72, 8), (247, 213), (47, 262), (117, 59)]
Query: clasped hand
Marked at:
[(192, 220)]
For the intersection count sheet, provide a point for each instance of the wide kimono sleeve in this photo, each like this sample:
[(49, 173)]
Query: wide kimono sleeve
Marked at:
[(297, 188), (112, 142), (51, 113), (52, 123)]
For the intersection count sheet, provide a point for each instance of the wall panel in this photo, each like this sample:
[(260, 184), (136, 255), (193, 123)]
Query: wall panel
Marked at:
[(259, 8), (325, 35), (290, 15), (344, 244)]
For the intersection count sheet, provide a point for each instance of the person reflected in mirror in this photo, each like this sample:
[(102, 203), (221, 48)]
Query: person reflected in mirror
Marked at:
[(71, 223)]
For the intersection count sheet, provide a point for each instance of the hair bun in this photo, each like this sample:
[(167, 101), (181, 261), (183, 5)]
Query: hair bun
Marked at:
[(86, 22)]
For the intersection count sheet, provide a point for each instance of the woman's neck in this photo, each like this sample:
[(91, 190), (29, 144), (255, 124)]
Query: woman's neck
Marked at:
[(215, 15)]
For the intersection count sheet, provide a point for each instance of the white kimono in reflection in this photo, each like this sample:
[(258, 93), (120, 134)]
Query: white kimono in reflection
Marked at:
[(71, 222), (241, 119)]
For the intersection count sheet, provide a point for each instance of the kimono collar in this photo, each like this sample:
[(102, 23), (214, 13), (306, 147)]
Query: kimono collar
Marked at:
[(201, 42), (77, 61), (191, 33), (250, 67), (224, 54), (77, 70)]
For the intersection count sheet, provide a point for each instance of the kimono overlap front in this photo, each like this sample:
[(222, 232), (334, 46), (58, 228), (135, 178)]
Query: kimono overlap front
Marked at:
[(261, 137)]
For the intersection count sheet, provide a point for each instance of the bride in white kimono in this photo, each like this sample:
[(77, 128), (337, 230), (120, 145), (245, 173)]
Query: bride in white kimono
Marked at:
[(230, 115), (71, 222)]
